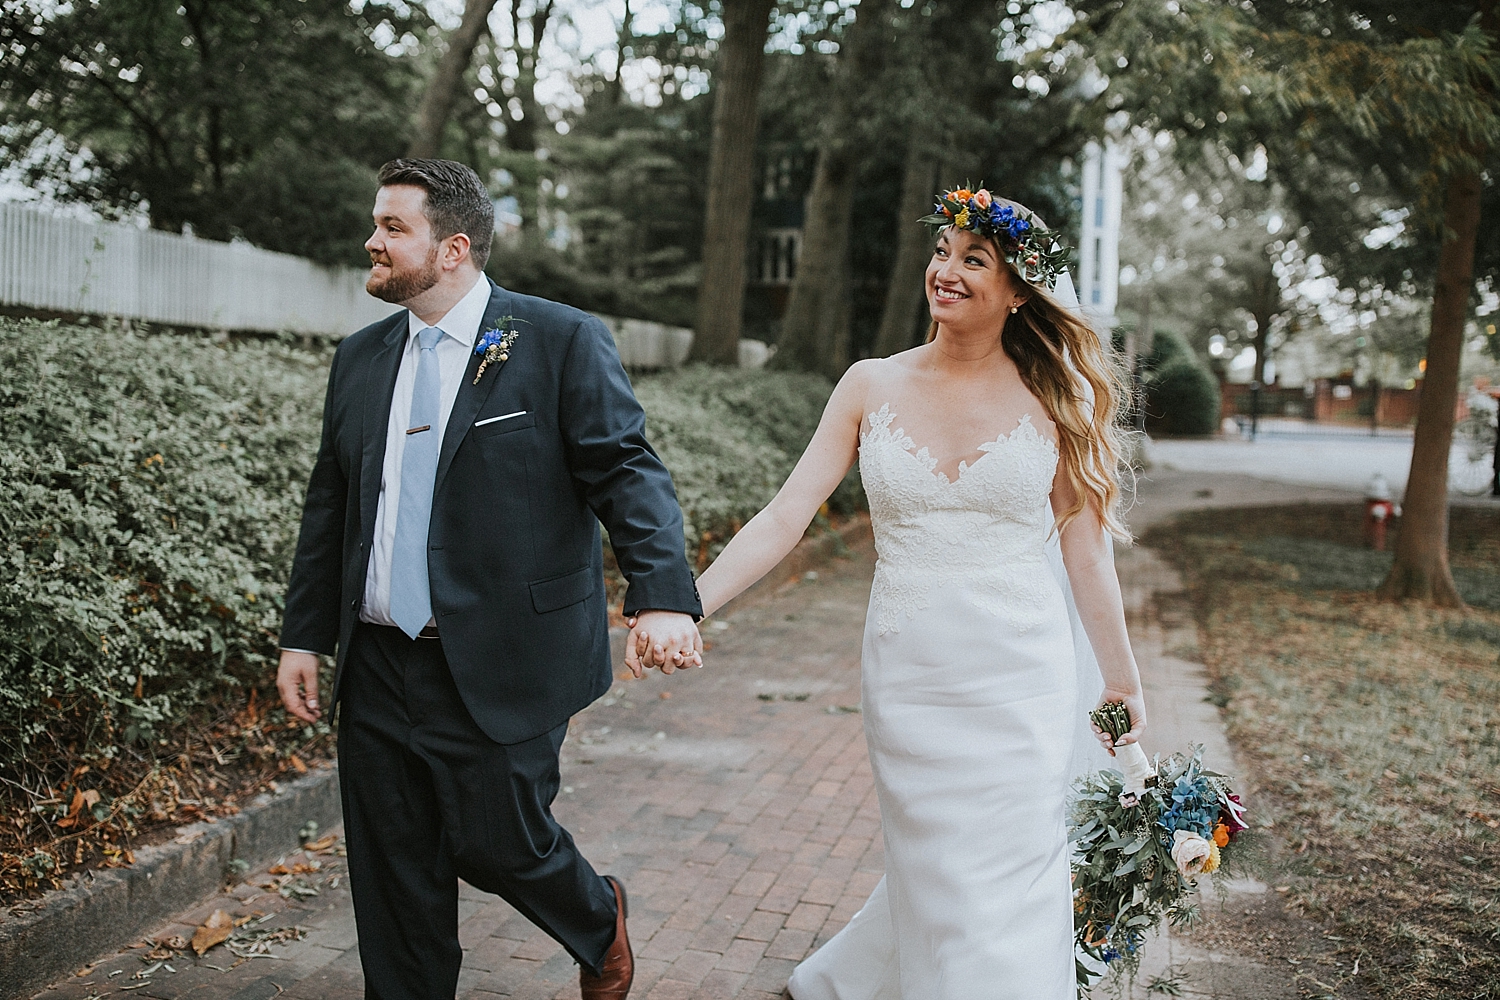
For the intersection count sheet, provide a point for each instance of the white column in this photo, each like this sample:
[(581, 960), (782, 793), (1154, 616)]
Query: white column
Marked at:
[(1099, 252)]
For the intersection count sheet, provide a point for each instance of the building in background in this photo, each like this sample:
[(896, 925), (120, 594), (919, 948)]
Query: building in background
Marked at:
[(1098, 276)]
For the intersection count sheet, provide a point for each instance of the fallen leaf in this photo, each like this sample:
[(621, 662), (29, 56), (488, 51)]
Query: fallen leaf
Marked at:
[(215, 929), (297, 763), (665, 695), (323, 843)]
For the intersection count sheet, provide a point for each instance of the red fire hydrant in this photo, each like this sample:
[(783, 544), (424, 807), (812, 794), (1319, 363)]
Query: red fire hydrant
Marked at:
[(1379, 509)]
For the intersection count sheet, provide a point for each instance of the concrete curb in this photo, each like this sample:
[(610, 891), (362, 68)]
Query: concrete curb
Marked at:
[(101, 910)]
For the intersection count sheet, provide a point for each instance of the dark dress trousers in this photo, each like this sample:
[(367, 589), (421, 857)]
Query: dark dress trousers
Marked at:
[(448, 748)]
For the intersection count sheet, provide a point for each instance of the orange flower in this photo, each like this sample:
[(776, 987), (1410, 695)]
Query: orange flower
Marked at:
[(1221, 835), (961, 195)]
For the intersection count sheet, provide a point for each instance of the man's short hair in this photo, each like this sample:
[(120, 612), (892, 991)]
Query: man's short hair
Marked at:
[(457, 201)]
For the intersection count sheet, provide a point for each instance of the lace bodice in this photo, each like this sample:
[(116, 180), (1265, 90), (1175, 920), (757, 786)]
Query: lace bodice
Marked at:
[(986, 530)]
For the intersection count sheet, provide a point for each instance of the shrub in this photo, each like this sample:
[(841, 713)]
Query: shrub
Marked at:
[(1182, 395), (151, 489), (731, 437)]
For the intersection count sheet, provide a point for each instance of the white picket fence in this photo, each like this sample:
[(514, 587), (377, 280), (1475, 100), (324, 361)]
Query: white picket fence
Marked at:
[(68, 266), (108, 269)]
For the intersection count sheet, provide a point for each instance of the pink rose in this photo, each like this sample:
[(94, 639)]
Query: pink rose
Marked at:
[(982, 200)]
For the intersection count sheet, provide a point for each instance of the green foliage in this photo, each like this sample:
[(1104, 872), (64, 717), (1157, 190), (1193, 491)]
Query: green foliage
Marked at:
[(1182, 395), (731, 437), (151, 490), (247, 118)]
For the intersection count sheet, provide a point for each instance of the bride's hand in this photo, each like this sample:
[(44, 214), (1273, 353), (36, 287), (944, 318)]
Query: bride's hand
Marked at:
[(1135, 704)]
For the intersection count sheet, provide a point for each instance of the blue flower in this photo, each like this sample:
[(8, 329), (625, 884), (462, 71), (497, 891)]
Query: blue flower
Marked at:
[(488, 339), (1109, 955), (1194, 807)]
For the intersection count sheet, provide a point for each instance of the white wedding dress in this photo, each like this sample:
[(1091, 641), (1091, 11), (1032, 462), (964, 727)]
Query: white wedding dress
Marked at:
[(972, 710)]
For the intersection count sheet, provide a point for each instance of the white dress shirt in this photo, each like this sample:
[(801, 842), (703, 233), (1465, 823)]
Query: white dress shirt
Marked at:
[(460, 328)]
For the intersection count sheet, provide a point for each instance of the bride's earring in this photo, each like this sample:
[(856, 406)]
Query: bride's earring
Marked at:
[(1014, 309)]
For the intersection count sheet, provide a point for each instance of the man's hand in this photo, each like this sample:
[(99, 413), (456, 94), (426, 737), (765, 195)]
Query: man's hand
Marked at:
[(297, 680), (665, 639)]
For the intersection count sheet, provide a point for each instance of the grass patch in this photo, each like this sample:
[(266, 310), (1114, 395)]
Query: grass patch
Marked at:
[(1371, 730)]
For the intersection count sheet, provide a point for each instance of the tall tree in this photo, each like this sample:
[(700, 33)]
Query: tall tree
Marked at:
[(815, 329), (520, 109), (447, 83), (904, 293), (234, 118), (1401, 97), (731, 180)]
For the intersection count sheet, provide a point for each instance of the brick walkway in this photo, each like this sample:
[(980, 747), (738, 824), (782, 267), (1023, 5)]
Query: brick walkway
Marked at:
[(735, 802), (737, 805)]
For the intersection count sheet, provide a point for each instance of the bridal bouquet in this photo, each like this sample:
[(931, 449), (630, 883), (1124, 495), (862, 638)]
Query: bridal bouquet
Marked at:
[(1142, 835)]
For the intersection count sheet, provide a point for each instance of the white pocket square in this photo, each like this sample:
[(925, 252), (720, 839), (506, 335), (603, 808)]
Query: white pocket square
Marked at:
[(496, 420)]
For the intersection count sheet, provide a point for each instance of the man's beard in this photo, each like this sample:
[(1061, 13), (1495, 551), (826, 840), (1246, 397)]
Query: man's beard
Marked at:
[(403, 286)]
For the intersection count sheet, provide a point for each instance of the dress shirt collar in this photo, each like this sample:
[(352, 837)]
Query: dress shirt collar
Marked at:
[(462, 321)]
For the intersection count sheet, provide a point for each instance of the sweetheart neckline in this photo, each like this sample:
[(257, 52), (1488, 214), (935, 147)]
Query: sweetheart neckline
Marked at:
[(986, 448)]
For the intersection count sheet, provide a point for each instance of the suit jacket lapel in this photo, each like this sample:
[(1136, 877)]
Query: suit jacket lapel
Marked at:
[(470, 396), (380, 386)]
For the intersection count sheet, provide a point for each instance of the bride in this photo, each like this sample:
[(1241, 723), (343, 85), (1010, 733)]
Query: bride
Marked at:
[(976, 449)]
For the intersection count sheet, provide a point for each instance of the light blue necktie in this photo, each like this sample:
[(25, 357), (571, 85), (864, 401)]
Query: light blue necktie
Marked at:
[(411, 596)]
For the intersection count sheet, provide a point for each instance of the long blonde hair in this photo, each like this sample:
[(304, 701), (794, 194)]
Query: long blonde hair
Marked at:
[(1064, 364)]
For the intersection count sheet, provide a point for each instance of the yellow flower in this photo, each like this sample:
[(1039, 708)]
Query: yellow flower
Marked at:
[(962, 222), (1212, 864)]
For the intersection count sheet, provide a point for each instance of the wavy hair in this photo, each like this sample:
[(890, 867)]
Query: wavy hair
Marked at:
[(1065, 365)]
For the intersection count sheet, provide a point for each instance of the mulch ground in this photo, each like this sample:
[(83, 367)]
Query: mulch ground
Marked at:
[(1373, 733)]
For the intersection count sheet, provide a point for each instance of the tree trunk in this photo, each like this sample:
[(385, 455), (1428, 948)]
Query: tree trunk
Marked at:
[(906, 293), (617, 82), (446, 84), (1262, 345), (815, 330), (812, 338), (731, 181), (1421, 567), (521, 129)]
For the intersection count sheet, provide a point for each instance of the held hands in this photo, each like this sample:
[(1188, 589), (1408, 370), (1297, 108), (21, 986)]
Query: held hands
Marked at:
[(1135, 704), (297, 680), (665, 639)]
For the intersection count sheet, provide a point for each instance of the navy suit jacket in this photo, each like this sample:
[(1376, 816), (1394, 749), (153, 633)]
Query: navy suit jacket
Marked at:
[(514, 554)]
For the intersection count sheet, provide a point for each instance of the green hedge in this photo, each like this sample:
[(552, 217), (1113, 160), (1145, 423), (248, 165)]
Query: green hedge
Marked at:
[(1182, 395), (731, 438), (151, 490)]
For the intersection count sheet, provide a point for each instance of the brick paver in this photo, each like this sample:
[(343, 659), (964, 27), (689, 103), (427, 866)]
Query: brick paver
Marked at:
[(736, 804)]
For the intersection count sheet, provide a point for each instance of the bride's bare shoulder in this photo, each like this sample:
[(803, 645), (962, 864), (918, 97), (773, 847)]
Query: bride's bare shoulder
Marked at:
[(870, 382)]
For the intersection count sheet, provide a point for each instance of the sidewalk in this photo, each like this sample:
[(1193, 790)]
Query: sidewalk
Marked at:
[(736, 803)]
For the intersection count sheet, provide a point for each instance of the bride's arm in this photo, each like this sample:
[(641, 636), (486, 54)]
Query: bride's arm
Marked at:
[(771, 534), (1096, 594)]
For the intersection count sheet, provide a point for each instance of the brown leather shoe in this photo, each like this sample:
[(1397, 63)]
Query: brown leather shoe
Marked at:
[(619, 964)]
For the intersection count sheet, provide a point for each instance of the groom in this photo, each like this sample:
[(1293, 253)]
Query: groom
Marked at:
[(450, 554)]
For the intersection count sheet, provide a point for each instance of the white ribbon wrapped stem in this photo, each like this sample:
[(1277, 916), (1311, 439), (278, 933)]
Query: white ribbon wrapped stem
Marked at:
[(1136, 768)]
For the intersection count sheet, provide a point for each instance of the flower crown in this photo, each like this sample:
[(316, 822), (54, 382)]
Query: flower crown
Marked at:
[(1038, 255)]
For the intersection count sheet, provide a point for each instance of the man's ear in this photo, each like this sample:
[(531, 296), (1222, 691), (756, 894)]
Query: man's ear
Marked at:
[(455, 251)]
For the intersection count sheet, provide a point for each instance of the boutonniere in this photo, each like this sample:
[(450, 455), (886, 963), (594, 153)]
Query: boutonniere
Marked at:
[(495, 344)]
